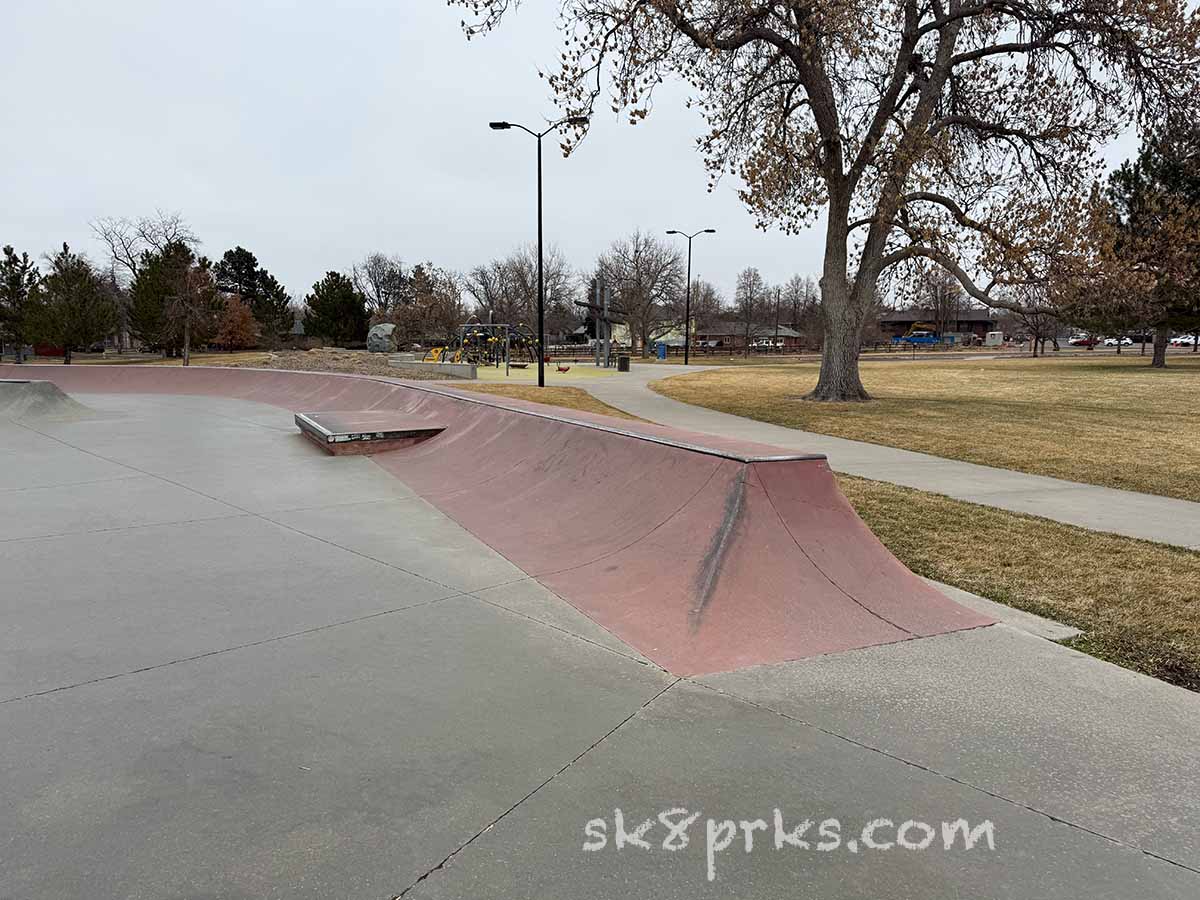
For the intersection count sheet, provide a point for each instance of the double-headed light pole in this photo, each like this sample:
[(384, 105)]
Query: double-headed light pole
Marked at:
[(687, 309), (501, 126)]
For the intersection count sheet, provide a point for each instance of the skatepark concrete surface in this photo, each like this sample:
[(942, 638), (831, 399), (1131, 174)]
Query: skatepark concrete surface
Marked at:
[(233, 666)]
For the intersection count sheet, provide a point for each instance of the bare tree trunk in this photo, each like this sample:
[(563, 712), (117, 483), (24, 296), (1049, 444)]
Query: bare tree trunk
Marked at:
[(1195, 340), (839, 379), (1162, 336), (842, 314), (66, 356), (187, 342)]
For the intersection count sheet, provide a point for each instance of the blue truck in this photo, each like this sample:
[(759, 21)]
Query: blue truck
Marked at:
[(916, 336)]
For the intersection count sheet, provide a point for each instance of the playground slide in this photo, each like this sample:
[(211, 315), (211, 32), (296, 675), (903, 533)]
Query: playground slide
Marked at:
[(705, 554)]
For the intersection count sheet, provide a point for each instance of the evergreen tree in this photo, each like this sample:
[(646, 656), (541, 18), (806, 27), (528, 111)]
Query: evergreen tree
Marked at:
[(1150, 244), (238, 272), (336, 311), (174, 301), (73, 307), (158, 276), (19, 278), (273, 309)]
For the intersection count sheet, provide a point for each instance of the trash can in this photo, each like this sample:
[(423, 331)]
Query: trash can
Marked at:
[(662, 350), (623, 363)]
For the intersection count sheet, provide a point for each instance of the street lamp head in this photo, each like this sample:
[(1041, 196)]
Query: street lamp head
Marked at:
[(499, 126), (672, 231), (577, 120), (710, 231)]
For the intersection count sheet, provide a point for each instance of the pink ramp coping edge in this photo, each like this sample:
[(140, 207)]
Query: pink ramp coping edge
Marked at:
[(705, 554)]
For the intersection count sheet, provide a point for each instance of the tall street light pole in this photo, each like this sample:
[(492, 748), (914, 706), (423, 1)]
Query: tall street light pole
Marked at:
[(501, 126), (687, 308)]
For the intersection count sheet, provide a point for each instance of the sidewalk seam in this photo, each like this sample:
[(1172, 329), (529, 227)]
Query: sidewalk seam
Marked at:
[(441, 865), (943, 775)]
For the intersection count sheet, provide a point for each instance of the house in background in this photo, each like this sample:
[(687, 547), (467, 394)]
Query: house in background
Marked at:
[(731, 334), (972, 320)]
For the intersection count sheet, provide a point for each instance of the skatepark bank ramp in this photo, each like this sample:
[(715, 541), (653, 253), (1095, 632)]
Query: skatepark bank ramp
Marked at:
[(34, 398), (703, 553)]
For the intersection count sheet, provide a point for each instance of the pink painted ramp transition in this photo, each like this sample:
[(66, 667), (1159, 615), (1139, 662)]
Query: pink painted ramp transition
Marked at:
[(705, 554)]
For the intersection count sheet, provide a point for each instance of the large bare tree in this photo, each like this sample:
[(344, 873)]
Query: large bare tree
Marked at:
[(707, 303), (128, 240), (647, 279), (939, 294), (506, 289), (382, 279), (801, 299), (949, 130), (750, 304), (434, 308)]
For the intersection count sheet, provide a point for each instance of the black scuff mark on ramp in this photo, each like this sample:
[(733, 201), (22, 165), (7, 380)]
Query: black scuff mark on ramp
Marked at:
[(714, 557)]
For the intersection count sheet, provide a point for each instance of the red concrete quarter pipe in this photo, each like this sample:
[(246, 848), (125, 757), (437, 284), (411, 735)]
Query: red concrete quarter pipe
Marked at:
[(704, 554)]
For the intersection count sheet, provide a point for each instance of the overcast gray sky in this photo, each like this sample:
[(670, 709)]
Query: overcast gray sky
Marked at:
[(313, 133)]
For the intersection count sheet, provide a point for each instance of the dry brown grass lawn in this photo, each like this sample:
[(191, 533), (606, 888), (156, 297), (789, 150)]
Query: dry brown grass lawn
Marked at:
[(561, 396), (771, 359), (1105, 420), (1138, 603), (236, 358)]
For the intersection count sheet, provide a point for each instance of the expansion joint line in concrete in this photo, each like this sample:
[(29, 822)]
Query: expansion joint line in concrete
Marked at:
[(270, 640), (862, 745), (445, 862), (67, 484), (123, 528)]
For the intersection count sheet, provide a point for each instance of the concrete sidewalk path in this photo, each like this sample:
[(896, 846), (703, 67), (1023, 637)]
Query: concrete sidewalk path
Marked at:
[(1146, 516)]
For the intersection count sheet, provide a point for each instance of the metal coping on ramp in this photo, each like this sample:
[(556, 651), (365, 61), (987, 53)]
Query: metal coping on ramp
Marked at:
[(703, 553), (670, 442)]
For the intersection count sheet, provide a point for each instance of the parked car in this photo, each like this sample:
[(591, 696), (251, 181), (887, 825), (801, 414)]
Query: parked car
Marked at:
[(1183, 340), (1117, 342), (1083, 340)]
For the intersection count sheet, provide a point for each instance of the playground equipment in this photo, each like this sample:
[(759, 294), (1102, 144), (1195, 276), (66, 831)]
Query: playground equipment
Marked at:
[(489, 344)]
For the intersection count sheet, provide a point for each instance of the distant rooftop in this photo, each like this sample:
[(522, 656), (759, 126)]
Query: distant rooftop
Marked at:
[(918, 314)]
